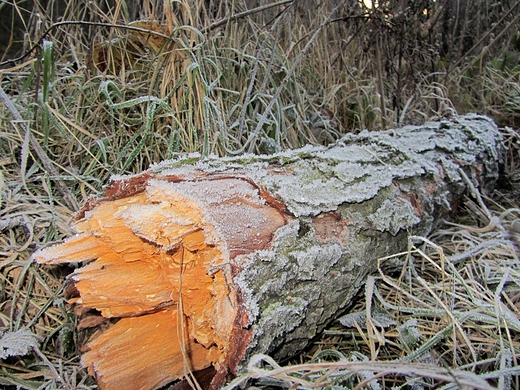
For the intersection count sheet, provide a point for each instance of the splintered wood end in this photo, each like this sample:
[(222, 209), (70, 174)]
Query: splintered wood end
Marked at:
[(158, 260)]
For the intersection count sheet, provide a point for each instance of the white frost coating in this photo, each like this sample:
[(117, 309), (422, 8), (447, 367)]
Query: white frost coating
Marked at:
[(357, 167), (377, 181), (218, 191), (310, 264), (405, 139), (231, 206), (250, 263), (380, 317), (292, 311), (181, 170), (349, 171), (166, 228), (182, 158), (345, 183), (393, 217), (159, 191), (43, 255), (409, 334), (385, 181), (306, 262), (443, 200), (249, 303), (357, 153), (231, 219), (287, 286)]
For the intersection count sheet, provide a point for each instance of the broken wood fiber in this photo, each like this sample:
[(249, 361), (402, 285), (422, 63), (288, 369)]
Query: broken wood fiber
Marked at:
[(201, 263)]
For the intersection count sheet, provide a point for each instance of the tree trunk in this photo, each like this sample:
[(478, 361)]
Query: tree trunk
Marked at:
[(200, 263)]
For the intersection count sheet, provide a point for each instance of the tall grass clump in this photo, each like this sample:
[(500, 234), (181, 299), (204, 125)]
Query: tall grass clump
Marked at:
[(106, 87)]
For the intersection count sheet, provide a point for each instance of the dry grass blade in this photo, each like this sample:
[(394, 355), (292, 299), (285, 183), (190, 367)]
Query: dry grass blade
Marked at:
[(319, 375)]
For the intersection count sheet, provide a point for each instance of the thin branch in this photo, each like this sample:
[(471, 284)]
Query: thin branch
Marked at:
[(231, 18)]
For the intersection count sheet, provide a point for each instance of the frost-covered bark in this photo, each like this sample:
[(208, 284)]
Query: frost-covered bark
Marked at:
[(297, 232)]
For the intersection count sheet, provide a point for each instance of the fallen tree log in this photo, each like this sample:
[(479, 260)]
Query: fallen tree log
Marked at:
[(200, 263)]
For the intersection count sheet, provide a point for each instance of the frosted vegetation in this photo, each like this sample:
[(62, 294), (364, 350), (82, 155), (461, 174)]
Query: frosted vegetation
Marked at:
[(87, 91)]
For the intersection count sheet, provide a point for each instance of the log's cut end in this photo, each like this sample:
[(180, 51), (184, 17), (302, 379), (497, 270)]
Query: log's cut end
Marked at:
[(159, 262)]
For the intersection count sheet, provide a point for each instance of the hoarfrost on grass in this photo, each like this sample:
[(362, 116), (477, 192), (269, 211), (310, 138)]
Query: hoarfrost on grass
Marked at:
[(18, 343), (380, 317), (409, 334)]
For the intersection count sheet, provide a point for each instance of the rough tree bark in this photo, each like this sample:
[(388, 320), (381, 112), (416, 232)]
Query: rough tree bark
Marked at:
[(200, 263)]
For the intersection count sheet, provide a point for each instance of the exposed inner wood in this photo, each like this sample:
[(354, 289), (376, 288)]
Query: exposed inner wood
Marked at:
[(160, 261)]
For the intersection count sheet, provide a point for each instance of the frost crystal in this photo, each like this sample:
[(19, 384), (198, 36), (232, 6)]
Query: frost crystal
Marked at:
[(18, 343)]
